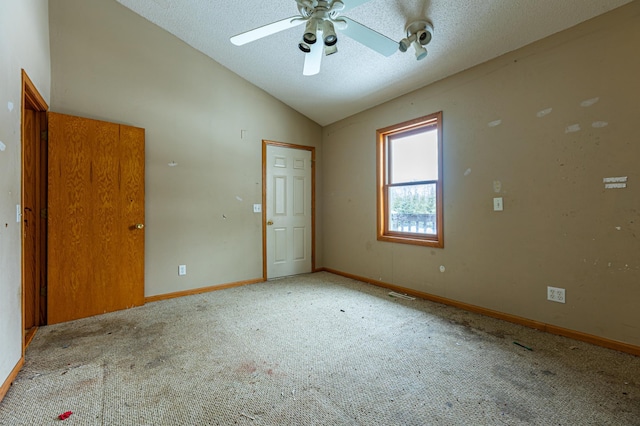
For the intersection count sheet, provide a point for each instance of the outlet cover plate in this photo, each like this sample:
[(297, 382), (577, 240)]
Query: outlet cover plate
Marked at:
[(182, 270), (556, 294)]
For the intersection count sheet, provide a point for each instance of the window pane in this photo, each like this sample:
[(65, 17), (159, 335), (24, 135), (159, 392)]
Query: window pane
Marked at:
[(412, 208), (414, 157)]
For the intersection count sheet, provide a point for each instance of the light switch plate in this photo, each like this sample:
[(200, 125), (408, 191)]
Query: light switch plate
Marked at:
[(497, 204)]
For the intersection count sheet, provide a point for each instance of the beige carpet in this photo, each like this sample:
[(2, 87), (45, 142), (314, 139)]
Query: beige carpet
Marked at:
[(315, 350)]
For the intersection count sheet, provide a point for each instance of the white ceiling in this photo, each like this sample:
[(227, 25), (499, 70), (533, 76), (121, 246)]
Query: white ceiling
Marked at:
[(466, 33)]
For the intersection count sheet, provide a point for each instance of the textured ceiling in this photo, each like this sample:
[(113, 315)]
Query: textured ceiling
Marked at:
[(466, 33)]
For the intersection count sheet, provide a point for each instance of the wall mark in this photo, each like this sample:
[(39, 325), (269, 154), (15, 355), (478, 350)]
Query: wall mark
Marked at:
[(238, 198), (173, 164), (10, 106), (589, 102), (467, 172), (497, 186), (495, 123), (544, 112), (572, 129), (599, 124), (2, 146), (442, 268)]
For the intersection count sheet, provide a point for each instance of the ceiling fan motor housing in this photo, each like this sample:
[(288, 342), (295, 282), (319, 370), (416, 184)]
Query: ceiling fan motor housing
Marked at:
[(419, 33)]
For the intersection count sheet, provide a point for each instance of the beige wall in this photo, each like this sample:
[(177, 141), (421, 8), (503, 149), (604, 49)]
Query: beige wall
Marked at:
[(560, 227), (24, 44), (110, 64)]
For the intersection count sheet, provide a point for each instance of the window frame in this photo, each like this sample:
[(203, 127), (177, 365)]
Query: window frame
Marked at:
[(416, 125)]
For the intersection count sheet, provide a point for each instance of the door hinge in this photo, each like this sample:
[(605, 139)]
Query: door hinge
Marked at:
[(44, 135), (43, 291), (43, 213)]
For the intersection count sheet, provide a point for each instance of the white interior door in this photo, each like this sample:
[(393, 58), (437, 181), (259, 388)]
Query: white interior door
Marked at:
[(288, 211)]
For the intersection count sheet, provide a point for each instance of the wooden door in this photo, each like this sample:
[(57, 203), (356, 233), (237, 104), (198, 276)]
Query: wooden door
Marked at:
[(34, 203), (96, 217), (288, 211), (30, 219)]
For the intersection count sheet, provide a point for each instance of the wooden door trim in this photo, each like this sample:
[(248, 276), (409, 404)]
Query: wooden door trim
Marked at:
[(31, 96), (32, 100), (266, 143)]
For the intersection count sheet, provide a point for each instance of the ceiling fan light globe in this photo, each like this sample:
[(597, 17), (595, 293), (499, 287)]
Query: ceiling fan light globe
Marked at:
[(309, 38), (330, 40), (310, 31), (424, 37), (304, 47), (403, 45), (329, 33), (421, 52)]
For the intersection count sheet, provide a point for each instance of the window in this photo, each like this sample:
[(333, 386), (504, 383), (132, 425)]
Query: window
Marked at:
[(410, 182)]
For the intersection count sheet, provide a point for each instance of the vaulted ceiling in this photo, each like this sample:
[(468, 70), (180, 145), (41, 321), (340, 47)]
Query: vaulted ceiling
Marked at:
[(466, 33)]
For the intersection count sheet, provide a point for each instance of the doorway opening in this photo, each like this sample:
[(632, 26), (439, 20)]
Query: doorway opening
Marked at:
[(33, 209)]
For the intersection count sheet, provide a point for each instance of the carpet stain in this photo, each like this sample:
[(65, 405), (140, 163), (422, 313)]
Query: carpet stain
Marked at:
[(109, 326), (252, 368), (513, 407), (500, 334), (511, 375), (158, 361), (247, 368)]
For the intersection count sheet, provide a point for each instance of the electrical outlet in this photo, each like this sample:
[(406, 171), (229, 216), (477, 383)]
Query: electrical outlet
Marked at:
[(182, 270), (556, 294), (257, 208)]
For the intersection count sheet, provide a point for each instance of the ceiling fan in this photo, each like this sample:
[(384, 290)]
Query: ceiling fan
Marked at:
[(322, 18)]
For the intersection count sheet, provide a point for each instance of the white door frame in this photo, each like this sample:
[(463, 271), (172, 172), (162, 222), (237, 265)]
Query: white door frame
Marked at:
[(265, 144)]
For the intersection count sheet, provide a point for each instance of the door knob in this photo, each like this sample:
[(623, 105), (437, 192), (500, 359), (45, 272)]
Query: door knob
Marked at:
[(139, 225), (270, 223)]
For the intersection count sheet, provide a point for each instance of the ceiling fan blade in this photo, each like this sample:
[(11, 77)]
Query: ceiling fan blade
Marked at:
[(313, 59), (266, 30), (350, 4), (370, 38)]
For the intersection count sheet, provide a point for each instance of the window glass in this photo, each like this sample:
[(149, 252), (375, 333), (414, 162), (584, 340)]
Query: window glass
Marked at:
[(414, 157)]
